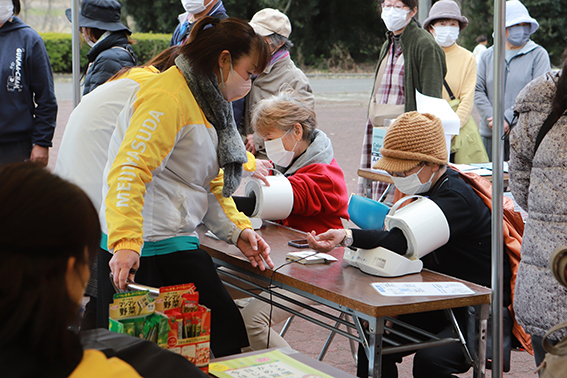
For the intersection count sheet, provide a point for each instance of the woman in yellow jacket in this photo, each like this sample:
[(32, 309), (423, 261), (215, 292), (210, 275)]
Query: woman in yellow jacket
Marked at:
[(445, 22), (42, 281), (161, 177)]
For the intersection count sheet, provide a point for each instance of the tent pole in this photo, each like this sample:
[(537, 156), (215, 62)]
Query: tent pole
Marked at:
[(76, 64), (423, 10), (497, 188)]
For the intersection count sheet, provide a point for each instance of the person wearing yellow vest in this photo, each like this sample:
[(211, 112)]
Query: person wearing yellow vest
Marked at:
[(163, 158)]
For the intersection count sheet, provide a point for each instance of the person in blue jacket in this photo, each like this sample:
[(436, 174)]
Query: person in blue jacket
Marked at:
[(29, 108), (99, 21), (195, 10)]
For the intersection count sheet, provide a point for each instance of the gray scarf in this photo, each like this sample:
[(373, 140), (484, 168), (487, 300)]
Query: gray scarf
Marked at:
[(231, 153)]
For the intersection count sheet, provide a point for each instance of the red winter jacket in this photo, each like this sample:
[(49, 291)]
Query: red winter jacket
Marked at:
[(320, 198)]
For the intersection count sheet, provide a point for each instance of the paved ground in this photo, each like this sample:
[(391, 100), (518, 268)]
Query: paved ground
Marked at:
[(341, 111)]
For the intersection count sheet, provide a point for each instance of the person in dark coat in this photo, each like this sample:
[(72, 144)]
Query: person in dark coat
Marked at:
[(28, 107), (100, 25)]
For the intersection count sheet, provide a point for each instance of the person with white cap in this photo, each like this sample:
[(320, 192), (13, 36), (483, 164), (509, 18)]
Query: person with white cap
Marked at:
[(102, 30), (525, 60), (415, 155), (281, 72), (445, 22)]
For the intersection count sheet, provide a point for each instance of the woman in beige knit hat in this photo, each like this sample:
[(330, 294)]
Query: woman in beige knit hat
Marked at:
[(415, 155)]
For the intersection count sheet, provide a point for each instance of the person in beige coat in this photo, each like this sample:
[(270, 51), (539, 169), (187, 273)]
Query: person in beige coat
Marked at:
[(281, 73), (538, 182)]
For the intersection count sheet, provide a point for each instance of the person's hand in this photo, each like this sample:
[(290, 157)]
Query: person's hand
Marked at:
[(255, 248), (262, 170), (40, 155), (506, 126), (123, 265), (250, 144), (326, 241)]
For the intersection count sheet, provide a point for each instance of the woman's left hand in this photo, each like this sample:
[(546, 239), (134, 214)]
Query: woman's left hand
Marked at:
[(326, 241), (255, 248)]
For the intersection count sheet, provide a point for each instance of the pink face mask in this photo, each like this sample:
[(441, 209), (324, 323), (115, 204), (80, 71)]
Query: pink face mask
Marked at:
[(235, 87)]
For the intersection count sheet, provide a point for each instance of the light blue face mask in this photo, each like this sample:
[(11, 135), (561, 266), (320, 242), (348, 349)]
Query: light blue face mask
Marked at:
[(518, 35)]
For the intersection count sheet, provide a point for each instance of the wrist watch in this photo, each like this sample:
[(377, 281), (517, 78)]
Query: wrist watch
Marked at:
[(347, 241)]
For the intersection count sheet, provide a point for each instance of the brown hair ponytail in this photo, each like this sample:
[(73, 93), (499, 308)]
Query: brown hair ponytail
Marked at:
[(209, 37)]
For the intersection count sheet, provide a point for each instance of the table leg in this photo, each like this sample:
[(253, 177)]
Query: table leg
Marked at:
[(367, 184), (482, 312), (374, 348)]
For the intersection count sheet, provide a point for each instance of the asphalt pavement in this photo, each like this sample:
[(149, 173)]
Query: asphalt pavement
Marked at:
[(341, 105)]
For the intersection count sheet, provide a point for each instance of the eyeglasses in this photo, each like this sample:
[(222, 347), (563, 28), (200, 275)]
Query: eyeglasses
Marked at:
[(390, 6), (407, 173)]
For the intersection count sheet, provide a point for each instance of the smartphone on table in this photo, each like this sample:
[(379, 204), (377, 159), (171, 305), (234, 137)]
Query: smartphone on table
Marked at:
[(299, 243)]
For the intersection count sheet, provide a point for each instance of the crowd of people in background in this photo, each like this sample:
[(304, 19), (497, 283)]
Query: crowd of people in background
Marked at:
[(156, 149)]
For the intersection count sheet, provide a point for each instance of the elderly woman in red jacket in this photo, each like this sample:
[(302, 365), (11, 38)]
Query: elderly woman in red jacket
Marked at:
[(304, 155)]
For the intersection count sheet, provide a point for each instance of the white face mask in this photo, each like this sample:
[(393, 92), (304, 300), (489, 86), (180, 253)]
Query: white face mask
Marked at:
[(6, 11), (195, 6), (235, 87), (395, 19), (446, 35), (411, 184), (277, 153)]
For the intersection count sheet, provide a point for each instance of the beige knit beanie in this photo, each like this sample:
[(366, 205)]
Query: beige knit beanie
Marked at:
[(412, 138)]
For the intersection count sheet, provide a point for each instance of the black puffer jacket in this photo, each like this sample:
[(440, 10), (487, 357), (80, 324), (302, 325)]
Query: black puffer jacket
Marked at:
[(106, 58)]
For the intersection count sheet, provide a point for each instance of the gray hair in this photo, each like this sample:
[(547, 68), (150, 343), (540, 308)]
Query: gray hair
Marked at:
[(277, 39), (282, 111)]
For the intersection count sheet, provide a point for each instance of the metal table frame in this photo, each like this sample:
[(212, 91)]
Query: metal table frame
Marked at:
[(377, 330)]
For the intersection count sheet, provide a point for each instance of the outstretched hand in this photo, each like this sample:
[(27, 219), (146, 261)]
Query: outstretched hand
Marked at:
[(255, 249), (326, 241)]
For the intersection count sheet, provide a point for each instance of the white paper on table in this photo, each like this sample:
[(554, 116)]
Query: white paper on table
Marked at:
[(411, 289)]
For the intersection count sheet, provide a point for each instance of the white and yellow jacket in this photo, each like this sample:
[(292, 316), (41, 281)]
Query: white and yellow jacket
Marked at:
[(83, 152), (162, 175)]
